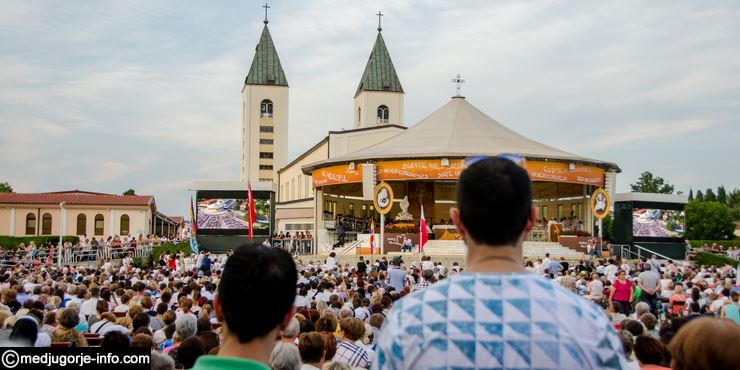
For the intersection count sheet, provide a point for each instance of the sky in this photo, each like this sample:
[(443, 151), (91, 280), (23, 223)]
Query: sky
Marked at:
[(110, 95)]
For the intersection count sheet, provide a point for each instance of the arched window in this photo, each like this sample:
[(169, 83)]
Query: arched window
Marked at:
[(99, 224), (30, 224), (266, 108), (81, 224), (382, 114), (124, 224), (46, 224)]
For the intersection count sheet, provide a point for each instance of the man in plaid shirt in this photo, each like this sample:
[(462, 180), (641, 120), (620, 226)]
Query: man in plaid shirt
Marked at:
[(427, 277)]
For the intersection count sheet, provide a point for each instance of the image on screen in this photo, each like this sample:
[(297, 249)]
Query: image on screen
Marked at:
[(657, 223), (217, 213)]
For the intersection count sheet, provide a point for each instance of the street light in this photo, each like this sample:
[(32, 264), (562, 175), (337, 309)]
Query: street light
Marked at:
[(61, 233)]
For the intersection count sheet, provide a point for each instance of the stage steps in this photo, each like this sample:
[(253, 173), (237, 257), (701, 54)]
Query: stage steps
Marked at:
[(532, 250)]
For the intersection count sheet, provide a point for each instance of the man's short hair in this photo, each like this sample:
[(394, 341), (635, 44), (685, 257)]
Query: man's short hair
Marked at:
[(252, 272), (494, 196)]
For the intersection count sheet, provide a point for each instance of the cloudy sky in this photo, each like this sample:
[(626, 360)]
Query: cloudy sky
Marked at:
[(110, 95)]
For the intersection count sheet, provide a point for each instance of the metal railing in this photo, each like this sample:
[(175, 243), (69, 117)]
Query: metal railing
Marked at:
[(350, 247), (627, 252), (294, 246)]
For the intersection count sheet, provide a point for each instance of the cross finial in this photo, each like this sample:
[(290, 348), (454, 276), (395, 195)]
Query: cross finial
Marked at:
[(457, 80), (266, 7), (380, 14)]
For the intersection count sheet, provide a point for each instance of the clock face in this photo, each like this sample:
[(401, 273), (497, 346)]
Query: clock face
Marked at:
[(383, 198)]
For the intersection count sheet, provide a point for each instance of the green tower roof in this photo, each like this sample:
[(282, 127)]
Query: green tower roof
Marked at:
[(266, 68), (379, 75)]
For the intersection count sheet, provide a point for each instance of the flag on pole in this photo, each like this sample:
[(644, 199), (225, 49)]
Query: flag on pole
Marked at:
[(193, 229), (372, 237), (250, 210), (423, 237)]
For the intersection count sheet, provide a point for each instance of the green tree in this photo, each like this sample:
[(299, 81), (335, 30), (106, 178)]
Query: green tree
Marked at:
[(733, 199), (648, 183), (129, 192), (708, 221), (608, 224), (722, 195), (709, 196), (691, 195), (5, 187), (699, 196)]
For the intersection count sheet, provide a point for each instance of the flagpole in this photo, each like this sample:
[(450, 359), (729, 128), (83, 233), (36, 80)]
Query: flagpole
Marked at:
[(382, 232)]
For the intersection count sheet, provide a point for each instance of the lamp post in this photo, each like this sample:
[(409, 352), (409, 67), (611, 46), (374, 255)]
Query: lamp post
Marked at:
[(61, 233)]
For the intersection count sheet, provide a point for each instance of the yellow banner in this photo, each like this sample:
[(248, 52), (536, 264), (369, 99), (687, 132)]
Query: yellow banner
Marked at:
[(432, 169), (336, 175), (560, 172)]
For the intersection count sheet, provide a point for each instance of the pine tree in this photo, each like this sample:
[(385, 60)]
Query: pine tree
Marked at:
[(691, 195), (699, 196), (710, 196), (721, 195)]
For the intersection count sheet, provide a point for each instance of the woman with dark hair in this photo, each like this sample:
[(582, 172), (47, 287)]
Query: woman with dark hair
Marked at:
[(65, 332), (622, 292), (650, 353), (25, 331)]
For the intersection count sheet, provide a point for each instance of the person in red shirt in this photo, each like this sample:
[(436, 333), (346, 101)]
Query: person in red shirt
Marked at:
[(622, 292)]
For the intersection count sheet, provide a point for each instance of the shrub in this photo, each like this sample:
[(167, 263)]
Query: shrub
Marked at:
[(12, 242), (711, 259), (724, 243)]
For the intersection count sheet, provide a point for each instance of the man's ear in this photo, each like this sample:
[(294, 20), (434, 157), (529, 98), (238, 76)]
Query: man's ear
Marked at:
[(455, 217), (288, 317), (531, 220), (218, 308)]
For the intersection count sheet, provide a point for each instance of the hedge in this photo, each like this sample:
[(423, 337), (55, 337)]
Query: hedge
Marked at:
[(711, 259), (12, 242), (724, 243), (153, 259)]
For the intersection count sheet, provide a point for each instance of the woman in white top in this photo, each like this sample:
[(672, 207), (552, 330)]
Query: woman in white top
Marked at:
[(107, 323)]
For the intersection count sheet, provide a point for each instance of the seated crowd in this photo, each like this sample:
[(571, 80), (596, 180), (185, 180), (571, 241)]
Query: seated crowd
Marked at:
[(328, 315)]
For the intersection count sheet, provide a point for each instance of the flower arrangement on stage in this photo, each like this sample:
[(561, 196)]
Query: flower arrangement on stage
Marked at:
[(573, 232), (402, 227)]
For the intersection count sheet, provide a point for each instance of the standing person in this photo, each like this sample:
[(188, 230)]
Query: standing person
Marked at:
[(621, 292), (249, 330), (397, 276), (496, 314), (649, 283), (206, 264), (361, 266)]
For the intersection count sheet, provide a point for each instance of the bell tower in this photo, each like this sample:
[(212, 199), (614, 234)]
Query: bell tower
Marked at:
[(379, 96), (264, 114)]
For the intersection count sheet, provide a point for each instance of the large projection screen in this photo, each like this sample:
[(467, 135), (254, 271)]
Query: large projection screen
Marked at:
[(224, 212)]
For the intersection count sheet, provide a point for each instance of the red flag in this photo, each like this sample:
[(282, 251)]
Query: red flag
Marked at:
[(372, 237), (423, 237), (250, 210)]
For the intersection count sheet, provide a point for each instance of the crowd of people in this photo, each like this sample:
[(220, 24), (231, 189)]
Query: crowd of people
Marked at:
[(258, 307), (82, 249)]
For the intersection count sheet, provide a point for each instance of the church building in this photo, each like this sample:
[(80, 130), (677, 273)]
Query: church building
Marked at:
[(378, 107)]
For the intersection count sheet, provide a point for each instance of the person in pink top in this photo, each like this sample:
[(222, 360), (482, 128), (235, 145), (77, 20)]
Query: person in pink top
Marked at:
[(622, 292)]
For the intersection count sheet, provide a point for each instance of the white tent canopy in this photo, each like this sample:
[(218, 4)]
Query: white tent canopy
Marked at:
[(458, 129)]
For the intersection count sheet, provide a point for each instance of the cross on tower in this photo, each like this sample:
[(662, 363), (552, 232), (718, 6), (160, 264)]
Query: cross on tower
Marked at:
[(379, 15), (458, 81), (266, 7)]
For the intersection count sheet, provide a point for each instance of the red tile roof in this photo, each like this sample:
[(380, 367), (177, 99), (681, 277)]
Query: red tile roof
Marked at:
[(178, 219), (77, 197)]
